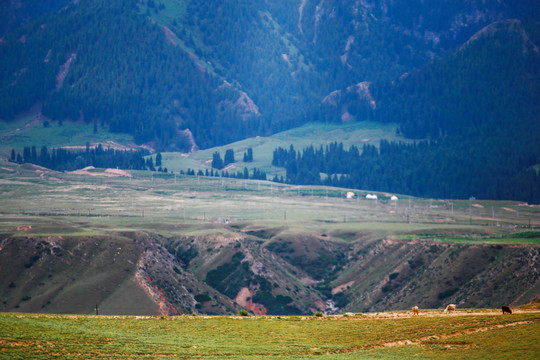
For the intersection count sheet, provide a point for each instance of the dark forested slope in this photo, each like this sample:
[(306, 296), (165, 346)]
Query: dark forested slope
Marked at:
[(478, 106), (223, 70), (105, 62), (183, 73), (15, 13)]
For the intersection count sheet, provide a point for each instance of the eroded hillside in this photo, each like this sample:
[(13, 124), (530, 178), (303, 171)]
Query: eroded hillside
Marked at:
[(141, 273)]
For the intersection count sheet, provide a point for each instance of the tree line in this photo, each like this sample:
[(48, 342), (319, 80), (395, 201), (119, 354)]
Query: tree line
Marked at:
[(60, 159), (434, 169), (256, 174)]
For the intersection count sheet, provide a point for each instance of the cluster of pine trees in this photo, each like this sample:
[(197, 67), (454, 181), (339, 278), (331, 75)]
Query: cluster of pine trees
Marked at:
[(218, 163), (256, 174), (427, 169), (69, 160)]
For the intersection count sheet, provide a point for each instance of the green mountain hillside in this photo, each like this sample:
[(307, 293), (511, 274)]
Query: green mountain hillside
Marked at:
[(481, 124), (178, 75), (16, 13), (225, 71)]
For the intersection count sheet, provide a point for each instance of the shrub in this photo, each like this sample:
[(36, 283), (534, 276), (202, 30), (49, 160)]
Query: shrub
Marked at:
[(202, 297), (243, 313), (318, 314)]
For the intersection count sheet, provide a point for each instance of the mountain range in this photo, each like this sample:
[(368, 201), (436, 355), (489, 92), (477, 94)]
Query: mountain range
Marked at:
[(179, 74)]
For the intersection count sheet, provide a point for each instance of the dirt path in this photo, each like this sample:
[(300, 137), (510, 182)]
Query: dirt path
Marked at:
[(449, 335)]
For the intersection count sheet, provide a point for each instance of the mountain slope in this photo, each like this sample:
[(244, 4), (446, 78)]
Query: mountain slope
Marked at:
[(271, 273), (121, 274), (114, 67), (467, 91), (481, 123), (225, 71), (16, 13)]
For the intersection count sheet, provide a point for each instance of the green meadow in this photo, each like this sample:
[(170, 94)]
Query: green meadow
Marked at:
[(316, 134), (465, 335), (57, 203), (27, 131)]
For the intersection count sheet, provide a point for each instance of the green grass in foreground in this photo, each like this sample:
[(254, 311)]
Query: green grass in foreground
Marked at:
[(337, 337)]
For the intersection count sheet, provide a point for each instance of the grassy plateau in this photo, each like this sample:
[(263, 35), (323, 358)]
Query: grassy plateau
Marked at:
[(57, 203)]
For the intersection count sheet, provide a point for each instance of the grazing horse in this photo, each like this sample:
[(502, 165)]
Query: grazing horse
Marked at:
[(449, 308), (415, 310), (506, 309)]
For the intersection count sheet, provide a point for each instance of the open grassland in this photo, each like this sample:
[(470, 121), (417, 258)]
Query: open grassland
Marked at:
[(318, 134), (464, 335), (29, 131), (56, 203)]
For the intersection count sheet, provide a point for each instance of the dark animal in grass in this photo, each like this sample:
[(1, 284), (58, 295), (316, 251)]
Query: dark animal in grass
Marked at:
[(506, 309)]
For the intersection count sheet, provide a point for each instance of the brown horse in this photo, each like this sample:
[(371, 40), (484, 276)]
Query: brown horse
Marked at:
[(450, 308)]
